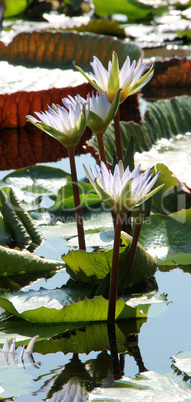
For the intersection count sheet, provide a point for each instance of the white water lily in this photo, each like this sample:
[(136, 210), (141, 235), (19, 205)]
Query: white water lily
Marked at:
[(101, 111), (128, 79), (122, 190), (66, 125)]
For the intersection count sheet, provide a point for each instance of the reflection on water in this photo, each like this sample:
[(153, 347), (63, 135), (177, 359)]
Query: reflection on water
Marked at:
[(76, 379), (175, 153)]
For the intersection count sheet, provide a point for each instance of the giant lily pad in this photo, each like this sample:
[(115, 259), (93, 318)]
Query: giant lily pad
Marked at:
[(62, 48)]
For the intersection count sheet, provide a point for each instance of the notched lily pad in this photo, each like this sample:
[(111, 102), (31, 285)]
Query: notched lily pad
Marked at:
[(59, 308), (93, 267)]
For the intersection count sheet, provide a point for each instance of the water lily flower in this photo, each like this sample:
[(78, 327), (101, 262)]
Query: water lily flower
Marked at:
[(129, 78), (102, 111), (123, 189), (66, 125)]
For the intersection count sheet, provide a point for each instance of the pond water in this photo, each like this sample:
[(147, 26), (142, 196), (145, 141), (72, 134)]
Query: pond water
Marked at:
[(59, 372)]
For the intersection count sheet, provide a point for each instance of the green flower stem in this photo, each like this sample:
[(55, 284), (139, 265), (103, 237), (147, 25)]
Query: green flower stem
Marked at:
[(102, 149), (129, 258), (114, 270), (78, 209), (118, 142)]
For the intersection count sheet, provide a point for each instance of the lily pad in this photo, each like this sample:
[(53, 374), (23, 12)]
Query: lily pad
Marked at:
[(61, 309), (15, 262), (134, 9), (168, 237), (62, 48), (163, 119), (182, 362), (147, 386), (94, 266)]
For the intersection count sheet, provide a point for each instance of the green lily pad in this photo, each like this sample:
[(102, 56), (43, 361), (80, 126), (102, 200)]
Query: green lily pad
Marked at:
[(101, 26), (168, 237), (94, 266), (134, 9), (61, 309), (65, 199), (14, 8), (36, 180), (15, 262), (163, 119)]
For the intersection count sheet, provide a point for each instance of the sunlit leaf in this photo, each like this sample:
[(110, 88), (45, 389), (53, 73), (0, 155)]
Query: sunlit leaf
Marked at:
[(174, 196), (134, 9), (168, 237), (61, 49), (14, 8), (182, 362), (55, 306), (14, 262), (146, 386), (65, 198), (101, 26), (33, 181), (93, 267), (163, 119)]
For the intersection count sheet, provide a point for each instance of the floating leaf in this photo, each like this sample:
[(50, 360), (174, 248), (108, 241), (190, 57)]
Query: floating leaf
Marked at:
[(101, 26), (14, 262), (36, 180), (134, 9), (94, 266), (163, 119), (62, 48), (174, 196), (16, 106), (168, 237), (172, 77), (145, 387), (65, 199), (182, 362), (59, 308), (14, 8)]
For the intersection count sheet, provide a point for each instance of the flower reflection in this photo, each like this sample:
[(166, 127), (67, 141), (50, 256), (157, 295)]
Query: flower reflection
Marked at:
[(9, 352)]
